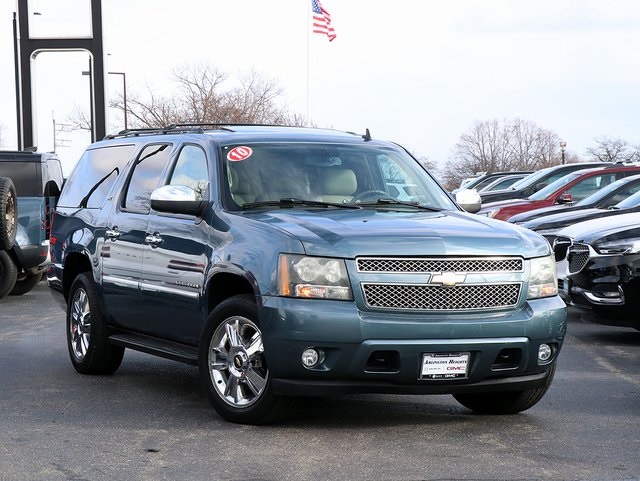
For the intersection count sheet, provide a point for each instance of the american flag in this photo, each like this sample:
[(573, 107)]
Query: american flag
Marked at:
[(322, 21)]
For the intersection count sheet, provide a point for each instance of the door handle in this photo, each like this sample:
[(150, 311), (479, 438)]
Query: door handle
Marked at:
[(112, 234), (154, 240)]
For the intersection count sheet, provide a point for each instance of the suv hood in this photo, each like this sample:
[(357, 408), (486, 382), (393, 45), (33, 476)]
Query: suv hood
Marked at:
[(349, 233), (596, 229)]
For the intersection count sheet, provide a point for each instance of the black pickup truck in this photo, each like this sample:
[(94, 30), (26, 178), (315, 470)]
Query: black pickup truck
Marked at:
[(30, 184)]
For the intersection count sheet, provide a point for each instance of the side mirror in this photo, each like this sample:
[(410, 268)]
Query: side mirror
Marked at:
[(564, 199), (469, 200), (177, 199), (540, 186)]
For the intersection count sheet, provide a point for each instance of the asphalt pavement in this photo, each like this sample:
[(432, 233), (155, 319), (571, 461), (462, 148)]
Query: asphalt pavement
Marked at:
[(151, 420)]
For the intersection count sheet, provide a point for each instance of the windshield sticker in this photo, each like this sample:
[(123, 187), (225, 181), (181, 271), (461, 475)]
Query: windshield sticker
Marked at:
[(238, 154)]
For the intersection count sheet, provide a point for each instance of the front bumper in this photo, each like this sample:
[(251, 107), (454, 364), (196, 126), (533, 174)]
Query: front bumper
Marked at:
[(608, 287), (382, 352)]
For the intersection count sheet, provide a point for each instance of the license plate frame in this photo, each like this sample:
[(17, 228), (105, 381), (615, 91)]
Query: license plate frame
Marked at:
[(445, 366)]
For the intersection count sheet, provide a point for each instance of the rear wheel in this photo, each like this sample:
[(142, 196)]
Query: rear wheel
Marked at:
[(508, 402), (8, 274), (8, 213), (232, 365), (26, 284), (87, 336)]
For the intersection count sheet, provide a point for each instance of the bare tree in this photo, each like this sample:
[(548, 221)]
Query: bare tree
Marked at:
[(204, 97), (607, 149), (494, 146)]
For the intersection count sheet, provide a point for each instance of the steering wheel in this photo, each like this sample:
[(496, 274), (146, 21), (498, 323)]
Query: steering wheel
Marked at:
[(370, 194)]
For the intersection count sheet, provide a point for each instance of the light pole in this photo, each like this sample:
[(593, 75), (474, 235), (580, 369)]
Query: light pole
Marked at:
[(124, 92), (563, 147), (124, 95)]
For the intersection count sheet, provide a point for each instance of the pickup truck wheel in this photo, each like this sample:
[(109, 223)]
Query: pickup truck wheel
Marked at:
[(87, 336), (232, 365), (507, 402), (26, 284), (8, 274), (8, 213)]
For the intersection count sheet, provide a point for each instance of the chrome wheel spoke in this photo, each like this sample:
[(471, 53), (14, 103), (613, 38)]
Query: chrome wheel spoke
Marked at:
[(255, 381), (231, 388), (233, 335), (255, 346)]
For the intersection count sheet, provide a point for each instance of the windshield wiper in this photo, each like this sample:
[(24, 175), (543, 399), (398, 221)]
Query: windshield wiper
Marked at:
[(292, 201), (387, 201)]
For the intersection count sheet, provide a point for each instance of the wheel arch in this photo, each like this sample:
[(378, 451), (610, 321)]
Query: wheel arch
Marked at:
[(75, 263), (224, 285)]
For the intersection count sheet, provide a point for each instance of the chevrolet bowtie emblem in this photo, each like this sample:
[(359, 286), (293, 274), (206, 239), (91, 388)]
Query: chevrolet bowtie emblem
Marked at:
[(448, 278)]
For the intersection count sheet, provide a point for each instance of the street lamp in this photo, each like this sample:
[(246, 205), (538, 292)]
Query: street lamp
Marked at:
[(563, 147), (124, 94)]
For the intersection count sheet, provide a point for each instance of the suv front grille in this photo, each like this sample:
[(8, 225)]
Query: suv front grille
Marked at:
[(434, 296), (438, 298), (578, 256), (393, 265)]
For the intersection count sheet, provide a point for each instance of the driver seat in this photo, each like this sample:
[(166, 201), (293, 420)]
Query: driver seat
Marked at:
[(337, 185)]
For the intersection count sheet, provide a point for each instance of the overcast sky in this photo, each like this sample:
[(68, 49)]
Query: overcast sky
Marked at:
[(418, 72)]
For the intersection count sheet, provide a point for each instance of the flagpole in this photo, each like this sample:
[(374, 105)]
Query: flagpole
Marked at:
[(309, 23)]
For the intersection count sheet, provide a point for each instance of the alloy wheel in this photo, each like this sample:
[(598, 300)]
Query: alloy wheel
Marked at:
[(80, 324), (236, 362)]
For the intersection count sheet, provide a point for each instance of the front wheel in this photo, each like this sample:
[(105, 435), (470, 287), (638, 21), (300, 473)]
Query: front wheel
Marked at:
[(87, 336), (232, 365), (508, 402)]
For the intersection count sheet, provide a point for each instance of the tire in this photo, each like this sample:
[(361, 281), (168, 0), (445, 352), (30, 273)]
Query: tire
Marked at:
[(87, 334), (507, 402), (22, 286), (232, 365), (8, 274), (8, 213)]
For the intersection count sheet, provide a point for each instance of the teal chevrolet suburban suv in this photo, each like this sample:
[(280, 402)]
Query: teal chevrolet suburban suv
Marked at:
[(280, 261)]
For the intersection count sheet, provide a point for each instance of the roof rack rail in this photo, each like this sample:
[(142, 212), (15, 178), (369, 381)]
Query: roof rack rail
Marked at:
[(197, 127)]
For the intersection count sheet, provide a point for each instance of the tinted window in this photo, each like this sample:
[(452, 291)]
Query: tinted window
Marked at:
[(191, 170), (24, 175), (146, 176), (94, 176)]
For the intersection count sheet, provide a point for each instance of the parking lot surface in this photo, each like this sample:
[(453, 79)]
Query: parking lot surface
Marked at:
[(151, 420)]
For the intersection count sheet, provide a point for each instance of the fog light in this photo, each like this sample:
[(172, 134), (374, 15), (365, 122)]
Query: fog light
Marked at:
[(544, 353), (312, 357)]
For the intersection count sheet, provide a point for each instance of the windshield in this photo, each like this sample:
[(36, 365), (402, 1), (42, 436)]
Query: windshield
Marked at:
[(530, 179), (553, 186), (263, 173), (631, 201), (599, 195)]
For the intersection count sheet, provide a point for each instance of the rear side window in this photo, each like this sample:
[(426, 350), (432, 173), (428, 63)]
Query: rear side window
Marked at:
[(146, 176), (24, 175), (94, 176)]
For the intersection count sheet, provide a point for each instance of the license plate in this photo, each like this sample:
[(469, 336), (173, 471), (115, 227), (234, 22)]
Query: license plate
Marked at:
[(437, 365)]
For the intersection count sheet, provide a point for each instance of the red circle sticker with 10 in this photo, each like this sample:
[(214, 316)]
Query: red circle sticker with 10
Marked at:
[(239, 153)]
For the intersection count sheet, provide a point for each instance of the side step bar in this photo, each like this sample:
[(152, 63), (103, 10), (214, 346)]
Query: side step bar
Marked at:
[(158, 347)]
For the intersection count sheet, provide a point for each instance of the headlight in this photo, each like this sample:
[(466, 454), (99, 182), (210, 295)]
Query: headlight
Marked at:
[(544, 279), (620, 246), (313, 277)]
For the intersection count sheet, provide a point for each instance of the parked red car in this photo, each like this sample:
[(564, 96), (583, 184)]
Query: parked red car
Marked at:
[(570, 188)]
